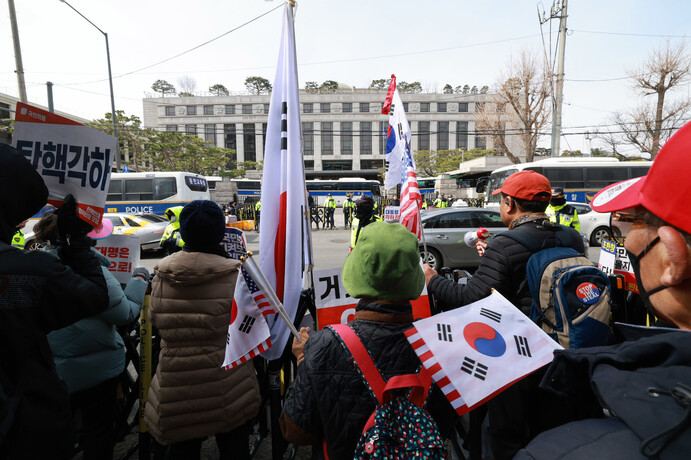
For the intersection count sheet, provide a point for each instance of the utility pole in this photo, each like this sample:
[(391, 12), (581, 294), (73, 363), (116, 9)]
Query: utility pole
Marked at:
[(49, 86), (17, 52), (558, 12)]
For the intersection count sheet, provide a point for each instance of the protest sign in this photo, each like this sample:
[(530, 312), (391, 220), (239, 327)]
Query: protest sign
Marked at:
[(71, 158), (608, 254), (234, 243), (476, 351), (391, 213), (123, 253), (335, 306), (622, 266)]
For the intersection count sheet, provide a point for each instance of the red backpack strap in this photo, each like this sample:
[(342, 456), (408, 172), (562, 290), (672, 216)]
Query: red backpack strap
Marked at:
[(362, 359)]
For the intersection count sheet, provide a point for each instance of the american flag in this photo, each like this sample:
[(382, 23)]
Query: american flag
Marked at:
[(262, 303), (411, 200)]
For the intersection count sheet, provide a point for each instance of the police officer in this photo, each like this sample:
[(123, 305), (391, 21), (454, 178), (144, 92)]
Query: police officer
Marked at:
[(18, 240), (560, 212), (348, 211), (364, 215), (257, 214), (329, 208), (440, 202), (171, 241)]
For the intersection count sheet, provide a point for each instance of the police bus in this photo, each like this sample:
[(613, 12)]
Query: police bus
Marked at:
[(318, 189), (581, 178), (154, 192)]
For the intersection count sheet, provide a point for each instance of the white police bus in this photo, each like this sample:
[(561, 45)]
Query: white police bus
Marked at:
[(154, 192), (318, 189), (580, 177)]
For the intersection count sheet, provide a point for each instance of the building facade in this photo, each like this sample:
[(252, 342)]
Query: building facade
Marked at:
[(344, 132)]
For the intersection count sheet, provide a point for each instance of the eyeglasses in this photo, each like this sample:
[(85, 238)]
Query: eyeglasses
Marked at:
[(622, 224)]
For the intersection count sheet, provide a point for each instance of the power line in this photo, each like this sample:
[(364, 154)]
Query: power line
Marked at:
[(627, 34)]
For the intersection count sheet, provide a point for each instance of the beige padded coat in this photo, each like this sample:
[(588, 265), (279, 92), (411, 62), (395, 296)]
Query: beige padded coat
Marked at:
[(191, 396)]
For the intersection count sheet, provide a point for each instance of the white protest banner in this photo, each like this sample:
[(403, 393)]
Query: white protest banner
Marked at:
[(622, 266), (608, 254), (391, 213), (71, 158), (477, 351), (335, 306), (123, 252)]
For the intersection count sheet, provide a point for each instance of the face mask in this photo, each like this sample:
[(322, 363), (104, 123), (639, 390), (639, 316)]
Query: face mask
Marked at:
[(557, 201), (173, 218), (636, 265)]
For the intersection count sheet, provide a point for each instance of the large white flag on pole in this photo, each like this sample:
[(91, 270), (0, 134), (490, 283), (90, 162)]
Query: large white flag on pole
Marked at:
[(283, 236), (397, 138)]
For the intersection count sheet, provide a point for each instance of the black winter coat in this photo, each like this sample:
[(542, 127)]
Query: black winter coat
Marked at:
[(502, 268), (329, 398)]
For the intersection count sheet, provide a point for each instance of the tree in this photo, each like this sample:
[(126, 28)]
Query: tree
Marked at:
[(431, 163), (311, 86), (242, 168), (571, 153), (163, 87), (131, 137), (219, 90), (173, 151), (448, 89), (650, 124), (188, 85), (382, 83), (258, 85), (329, 86), (525, 91), (405, 87)]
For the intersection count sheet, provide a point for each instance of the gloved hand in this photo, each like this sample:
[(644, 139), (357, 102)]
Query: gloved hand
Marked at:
[(141, 272), (70, 226)]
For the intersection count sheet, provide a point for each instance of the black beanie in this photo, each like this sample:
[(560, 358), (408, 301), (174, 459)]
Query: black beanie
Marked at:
[(202, 224)]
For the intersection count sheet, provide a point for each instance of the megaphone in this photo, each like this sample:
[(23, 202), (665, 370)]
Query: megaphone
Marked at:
[(471, 238)]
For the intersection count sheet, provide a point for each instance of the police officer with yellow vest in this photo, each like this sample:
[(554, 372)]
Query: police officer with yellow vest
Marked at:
[(257, 214), (562, 213), (171, 241), (440, 202), (18, 240), (348, 211), (364, 215), (329, 209)]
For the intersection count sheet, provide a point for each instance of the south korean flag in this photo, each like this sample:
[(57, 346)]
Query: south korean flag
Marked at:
[(477, 351)]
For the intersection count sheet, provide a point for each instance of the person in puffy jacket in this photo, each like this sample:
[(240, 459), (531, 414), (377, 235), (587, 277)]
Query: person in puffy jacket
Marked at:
[(89, 355), (328, 400), (192, 396)]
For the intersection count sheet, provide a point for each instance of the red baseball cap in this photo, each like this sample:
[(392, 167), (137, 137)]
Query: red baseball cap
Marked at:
[(526, 185), (664, 191)]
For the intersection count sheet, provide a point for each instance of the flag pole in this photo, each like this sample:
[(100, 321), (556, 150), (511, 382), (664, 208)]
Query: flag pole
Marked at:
[(422, 232)]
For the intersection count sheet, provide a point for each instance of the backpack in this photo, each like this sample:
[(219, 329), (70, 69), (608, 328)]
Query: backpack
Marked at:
[(399, 427), (571, 296)]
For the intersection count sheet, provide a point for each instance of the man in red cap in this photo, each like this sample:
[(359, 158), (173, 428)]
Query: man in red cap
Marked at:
[(522, 411), (645, 382)]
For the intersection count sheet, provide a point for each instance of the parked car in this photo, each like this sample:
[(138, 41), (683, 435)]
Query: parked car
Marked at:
[(444, 230), (148, 227), (594, 225)]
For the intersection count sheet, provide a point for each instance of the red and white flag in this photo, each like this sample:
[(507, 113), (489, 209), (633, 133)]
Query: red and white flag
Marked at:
[(283, 235), (400, 162), (476, 351)]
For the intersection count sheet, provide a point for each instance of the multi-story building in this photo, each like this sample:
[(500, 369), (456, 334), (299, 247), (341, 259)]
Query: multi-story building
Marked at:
[(343, 132)]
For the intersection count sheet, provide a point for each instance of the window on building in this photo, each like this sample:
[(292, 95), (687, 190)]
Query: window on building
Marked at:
[(462, 135), (171, 128), (249, 141), (191, 110), (230, 139), (325, 107), (208, 110), (309, 165), (383, 129), (191, 129), (264, 128), (423, 135), (337, 165), (462, 106), (346, 137), (308, 138), (443, 135), (366, 137), (364, 107), (405, 107), (424, 106), (307, 107), (246, 109), (441, 106), (371, 164), (210, 134), (347, 107), (481, 142), (266, 108), (327, 138), (170, 111), (230, 110)]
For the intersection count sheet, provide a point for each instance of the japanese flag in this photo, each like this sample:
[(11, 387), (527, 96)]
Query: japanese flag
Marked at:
[(477, 351)]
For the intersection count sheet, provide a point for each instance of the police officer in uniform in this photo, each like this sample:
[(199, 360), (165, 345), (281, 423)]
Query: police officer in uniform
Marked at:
[(329, 209), (561, 213), (257, 214), (18, 240), (364, 215), (348, 211), (171, 241)]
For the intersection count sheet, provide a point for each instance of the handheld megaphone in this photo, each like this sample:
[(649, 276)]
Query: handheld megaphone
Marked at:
[(471, 238)]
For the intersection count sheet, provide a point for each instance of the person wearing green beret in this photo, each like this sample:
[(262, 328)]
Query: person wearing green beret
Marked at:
[(328, 404)]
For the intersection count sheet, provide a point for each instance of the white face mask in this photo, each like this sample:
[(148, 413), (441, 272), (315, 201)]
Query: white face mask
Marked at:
[(173, 218)]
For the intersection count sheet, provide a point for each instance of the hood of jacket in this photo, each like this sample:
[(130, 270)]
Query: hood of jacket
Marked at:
[(189, 268), (22, 191)]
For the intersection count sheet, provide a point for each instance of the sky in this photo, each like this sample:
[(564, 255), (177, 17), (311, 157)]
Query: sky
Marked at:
[(434, 42)]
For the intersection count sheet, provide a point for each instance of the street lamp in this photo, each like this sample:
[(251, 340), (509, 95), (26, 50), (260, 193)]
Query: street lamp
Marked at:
[(110, 80)]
